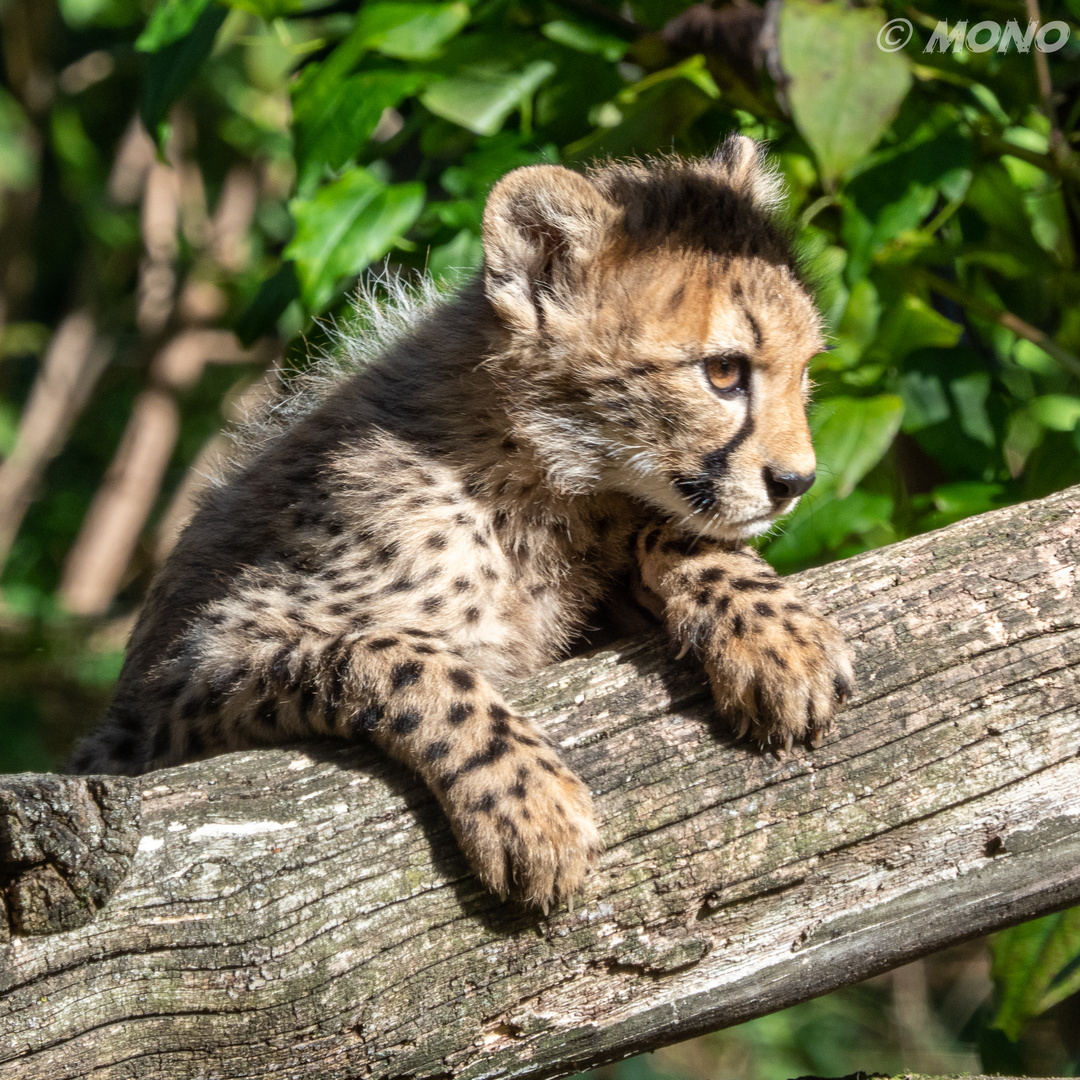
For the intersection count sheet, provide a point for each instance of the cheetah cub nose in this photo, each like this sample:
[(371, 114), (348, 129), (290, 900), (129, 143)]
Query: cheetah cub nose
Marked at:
[(783, 486)]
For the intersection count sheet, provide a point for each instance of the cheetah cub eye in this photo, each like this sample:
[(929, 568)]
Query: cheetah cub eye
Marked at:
[(727, 373)]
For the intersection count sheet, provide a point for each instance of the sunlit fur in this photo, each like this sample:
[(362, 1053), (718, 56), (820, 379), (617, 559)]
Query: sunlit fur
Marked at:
[(447, 509)]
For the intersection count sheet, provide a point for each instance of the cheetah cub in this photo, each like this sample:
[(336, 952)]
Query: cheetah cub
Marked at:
[(617, 401)]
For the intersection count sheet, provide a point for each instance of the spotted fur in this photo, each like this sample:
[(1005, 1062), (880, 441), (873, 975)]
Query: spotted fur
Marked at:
[(618, 397)]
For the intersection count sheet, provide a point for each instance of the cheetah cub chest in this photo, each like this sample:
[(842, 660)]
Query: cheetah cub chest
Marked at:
[(620, 396)]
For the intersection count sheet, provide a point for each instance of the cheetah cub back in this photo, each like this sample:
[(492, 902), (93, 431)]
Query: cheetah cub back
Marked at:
[(617, 400)]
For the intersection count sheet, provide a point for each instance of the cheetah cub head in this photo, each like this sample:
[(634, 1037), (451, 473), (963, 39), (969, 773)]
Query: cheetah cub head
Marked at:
[(657, 334)]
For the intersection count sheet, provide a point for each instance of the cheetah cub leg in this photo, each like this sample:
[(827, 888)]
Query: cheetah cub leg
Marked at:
[(524, 820), (778, 669)]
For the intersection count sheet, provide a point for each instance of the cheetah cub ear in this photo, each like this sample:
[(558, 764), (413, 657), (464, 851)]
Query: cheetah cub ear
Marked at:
[(742, 162), (542, 225)]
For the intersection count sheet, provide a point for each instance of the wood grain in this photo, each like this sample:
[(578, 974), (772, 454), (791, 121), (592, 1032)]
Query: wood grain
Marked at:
[(305, 913)]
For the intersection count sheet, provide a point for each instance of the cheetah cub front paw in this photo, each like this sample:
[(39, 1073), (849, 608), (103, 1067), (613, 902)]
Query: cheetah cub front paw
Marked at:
[(779, 670), (528, 829)]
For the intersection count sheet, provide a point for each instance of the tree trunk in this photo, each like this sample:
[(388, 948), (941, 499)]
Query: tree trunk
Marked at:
[(305, 912)]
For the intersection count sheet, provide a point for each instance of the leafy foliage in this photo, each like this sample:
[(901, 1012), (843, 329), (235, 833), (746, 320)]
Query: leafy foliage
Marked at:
[(936, 195)]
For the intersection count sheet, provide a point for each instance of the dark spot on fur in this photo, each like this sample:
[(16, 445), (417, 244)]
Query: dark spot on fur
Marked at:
[(378, 644), (713, 573), (162, 741), (757, 584), (436, 541), (776, 658), (494, 750), (547, 766), (344, 586), (472, 615), (387, 553), (793, 606), (462, 584), (339, 609), (764, 609), (722, 604), (194, 744), (462, 678), (425, 650), (431, 604), (406, 674), (401, 585), (307, 699), (368, 719), (486, 803), (703, 597), (490, 573), (192, 707), (738, 626), (405, 723), (479, 539), (436, 751), (460, 711)]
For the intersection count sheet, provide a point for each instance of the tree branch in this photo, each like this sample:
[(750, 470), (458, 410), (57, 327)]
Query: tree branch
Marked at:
[(305, 912)]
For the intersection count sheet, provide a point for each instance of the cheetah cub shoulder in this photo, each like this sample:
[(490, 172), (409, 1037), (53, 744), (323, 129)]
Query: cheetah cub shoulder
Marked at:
[(619, 396)]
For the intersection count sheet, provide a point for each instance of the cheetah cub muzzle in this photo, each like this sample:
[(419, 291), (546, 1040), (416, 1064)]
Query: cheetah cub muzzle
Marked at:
[(618, 400)]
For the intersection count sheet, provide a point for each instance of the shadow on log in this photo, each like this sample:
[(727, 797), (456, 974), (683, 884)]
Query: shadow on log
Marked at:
[(304, 912)]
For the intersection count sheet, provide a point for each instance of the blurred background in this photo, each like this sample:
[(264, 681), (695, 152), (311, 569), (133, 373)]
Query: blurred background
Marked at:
[(189, 190)]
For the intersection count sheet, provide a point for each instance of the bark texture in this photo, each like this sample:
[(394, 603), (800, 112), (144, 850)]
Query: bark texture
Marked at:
[(305, 913)]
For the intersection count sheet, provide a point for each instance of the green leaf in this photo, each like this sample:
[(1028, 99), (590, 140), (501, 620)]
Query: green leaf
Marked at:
[(169, 22), (336, 131), (458, 259), (1058, 412), (912, 324), (275, 294), (585, 39), (345, 226), (844, 90), (410, 31), (925, 402), (1036, 965), (825, 526), (857, 326), (851, 436), (485, 92), (964, 498), (171, 68), (970, 393), (648, 114), (996, 198), (1023, 434), (18, 160), (273, 9)]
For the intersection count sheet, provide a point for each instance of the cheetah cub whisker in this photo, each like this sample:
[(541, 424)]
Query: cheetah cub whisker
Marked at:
[(617, 401)]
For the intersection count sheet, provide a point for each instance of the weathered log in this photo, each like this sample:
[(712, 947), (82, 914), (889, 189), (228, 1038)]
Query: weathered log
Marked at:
[(305, 912)]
